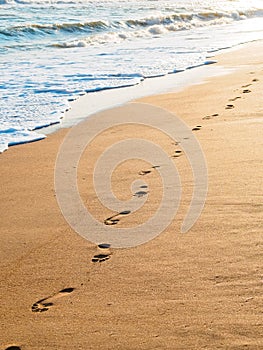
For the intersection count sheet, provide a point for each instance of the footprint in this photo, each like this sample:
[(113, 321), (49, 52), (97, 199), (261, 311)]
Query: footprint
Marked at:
[(255, 80), (44, 304), (104, 255), (177, 154), (104, 245), (243, 86), (229, 107), (13, 347), (113, 220), (140, 194), (234, 99), (246, 91), (210, 116), (145, 172), (100, 258), (198, 127)]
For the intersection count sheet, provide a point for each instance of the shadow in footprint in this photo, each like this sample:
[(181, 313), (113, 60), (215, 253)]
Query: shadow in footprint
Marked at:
[(113, 220), (229, 107), (104, 245), (43, 305), (246, 91), (13, 347), (140, 194), (177, 154), (196, 128)]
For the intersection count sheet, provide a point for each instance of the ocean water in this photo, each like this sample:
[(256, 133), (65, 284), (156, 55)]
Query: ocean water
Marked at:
[(52, 52)]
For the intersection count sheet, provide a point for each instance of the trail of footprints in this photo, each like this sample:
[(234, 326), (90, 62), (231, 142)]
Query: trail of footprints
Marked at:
[(115, 219), (228, 106), (45, 304), (104, 252), (245, 90), (231, 106)]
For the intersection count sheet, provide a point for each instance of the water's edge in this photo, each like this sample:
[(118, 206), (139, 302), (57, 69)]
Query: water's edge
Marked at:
[(90, 103), (95, 102)]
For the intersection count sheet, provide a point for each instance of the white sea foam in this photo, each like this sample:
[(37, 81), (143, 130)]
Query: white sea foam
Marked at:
[(11, 137)]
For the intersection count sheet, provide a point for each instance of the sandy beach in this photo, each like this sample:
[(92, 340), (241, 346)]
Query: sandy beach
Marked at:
[(198, 290)]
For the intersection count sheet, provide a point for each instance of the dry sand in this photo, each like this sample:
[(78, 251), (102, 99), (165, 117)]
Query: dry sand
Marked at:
[(199, 290)]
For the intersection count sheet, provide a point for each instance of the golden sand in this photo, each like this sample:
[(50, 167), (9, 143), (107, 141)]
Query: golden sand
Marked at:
[(199, 290)]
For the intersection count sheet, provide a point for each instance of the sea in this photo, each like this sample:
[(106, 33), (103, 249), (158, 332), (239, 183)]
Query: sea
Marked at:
[(53, 52)]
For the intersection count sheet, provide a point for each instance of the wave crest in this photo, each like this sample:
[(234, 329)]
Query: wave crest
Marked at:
[(123, 29)]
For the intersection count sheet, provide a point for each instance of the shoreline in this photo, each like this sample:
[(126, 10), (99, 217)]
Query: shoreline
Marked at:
[(113, 97), (202, 289)]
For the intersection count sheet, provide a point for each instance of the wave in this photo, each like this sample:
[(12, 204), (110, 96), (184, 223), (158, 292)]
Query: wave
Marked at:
[(155, 26), (54, 28), (106, 31)]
